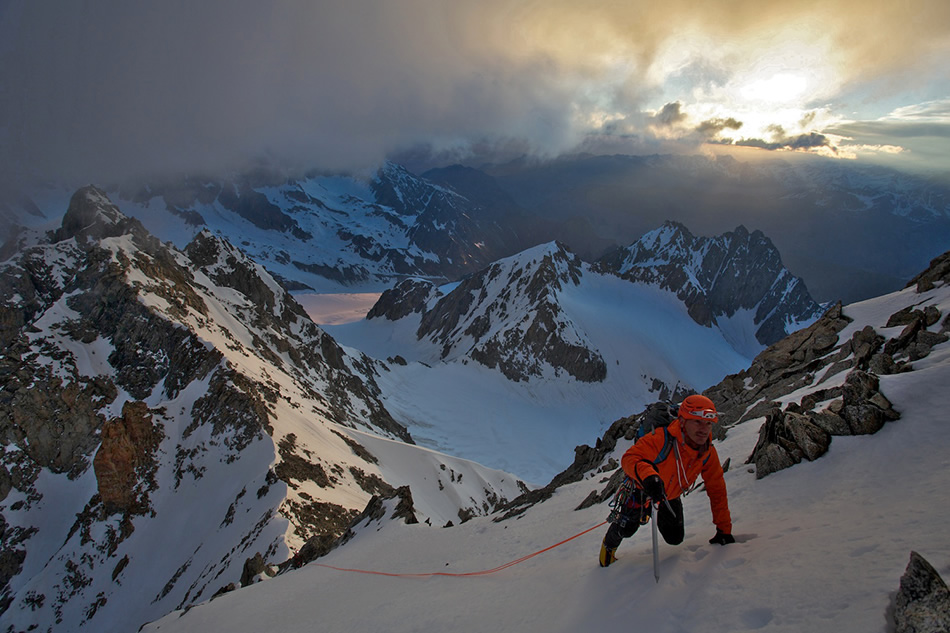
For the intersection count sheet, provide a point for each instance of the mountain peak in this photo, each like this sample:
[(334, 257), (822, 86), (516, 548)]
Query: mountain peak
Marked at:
[(718, 276), (91, 215)]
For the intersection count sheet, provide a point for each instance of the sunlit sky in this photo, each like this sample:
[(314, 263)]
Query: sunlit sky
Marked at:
[(112, 88)]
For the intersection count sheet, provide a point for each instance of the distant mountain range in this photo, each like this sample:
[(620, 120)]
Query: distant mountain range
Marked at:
[(850, 232), (539, 313)]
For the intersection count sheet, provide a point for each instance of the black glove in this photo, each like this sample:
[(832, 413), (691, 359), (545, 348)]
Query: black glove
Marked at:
[(722, 538), (653, 487)]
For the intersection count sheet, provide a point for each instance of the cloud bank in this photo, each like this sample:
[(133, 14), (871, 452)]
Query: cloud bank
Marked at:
[(111, 89)]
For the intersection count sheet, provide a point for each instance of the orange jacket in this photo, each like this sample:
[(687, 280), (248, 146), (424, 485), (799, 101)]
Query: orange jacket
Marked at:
[(679, 469)]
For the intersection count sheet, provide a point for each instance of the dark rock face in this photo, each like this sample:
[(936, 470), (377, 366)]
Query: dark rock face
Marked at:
[(923, 600), (799, 432), (254, 207), (463, 236), (254, 567), (785, 439), (782, 368), (125, 459), (507, 317), (407, 297), (938, 271), (715, 277), (399, 499), (91, 215)]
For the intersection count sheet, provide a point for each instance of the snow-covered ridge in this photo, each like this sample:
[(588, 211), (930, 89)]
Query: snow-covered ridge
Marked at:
[(169, 414)]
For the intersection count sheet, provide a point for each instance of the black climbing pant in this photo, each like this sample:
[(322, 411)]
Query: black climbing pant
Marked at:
[(669, 523)]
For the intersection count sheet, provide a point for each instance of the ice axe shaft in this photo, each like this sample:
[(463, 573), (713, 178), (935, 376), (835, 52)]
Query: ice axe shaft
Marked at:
[(656, 544), (656, 540)]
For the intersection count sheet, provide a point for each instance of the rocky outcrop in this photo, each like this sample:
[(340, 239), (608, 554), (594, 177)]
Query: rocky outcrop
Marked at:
[(922, 604), (53, 421), (937, 273), (92, 216), (254, 569), (787, 437), (125, 462), (399, 500), (410, 296)]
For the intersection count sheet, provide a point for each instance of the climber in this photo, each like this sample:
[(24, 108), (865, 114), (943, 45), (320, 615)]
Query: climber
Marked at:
[(664, 464)]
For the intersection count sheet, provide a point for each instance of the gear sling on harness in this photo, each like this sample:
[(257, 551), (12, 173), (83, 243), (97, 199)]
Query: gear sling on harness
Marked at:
[(629, 502)]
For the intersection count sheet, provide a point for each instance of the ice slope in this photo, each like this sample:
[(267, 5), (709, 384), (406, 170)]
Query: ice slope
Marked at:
[(821, 547)]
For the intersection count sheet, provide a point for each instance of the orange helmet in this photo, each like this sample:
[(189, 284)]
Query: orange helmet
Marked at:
[(697, 407)]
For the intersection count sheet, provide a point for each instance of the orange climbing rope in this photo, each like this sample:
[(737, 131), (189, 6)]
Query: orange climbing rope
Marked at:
[(466, 574)]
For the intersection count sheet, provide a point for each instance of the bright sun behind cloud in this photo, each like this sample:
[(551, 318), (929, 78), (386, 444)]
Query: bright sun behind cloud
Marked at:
[(781, 87)]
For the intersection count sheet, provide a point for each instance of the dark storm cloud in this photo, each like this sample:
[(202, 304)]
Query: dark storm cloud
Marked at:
[(670, 114), (712, 127), (113, 88), (800, 141)]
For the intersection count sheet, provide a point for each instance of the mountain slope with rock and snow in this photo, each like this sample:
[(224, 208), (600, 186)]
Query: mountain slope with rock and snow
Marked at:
[(169, 417), (850, 231), (541, 349), (323, 232), (832, 221), (735, 281), (821, 544)]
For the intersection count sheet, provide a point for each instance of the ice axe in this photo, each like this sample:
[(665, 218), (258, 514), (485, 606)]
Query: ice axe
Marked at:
[(656, 539)]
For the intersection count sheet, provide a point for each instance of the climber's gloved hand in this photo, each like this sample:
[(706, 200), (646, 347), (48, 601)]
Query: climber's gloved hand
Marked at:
[(653, 487)]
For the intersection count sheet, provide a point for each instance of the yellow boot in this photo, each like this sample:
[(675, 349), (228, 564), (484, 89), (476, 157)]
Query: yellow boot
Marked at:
[(607, 555)]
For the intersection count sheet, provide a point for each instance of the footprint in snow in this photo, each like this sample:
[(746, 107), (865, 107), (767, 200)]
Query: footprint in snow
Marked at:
[(757, 618), (861, 551)]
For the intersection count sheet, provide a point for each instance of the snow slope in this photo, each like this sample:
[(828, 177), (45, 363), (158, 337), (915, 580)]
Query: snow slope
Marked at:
[(821, 546)]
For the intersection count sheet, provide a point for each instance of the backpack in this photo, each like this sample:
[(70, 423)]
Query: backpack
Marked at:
[(628, 502), (656, 415)]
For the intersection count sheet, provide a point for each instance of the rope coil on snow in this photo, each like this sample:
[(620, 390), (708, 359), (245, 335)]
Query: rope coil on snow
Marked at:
[(466, 574)]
